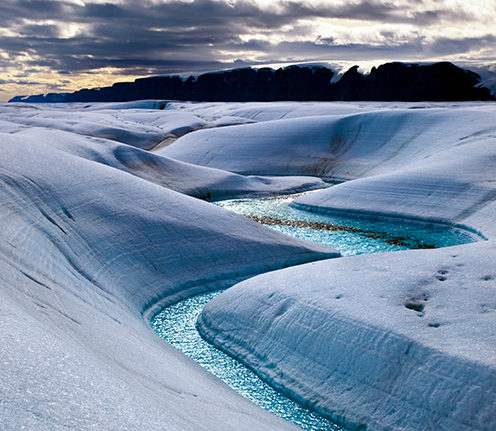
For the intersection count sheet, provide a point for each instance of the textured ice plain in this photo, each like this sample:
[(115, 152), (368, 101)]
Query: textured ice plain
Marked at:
[(99, 145), (87, 247), (103, 375), (131, 124), (431, 161), (143, 124), (395, 341), (398, 342)]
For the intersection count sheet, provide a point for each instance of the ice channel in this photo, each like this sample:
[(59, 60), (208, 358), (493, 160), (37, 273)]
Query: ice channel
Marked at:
[(349, 235)]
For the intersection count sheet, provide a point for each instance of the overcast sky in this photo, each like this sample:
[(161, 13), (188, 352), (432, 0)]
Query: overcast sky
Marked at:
[(52, 45)]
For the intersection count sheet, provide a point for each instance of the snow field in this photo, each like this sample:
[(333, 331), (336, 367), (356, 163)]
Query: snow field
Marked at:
[(398, 342), (87, 247), (97, 234), (395, 341)]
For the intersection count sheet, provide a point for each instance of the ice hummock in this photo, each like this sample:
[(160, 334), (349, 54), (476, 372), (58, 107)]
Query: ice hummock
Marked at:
[(87, 247)]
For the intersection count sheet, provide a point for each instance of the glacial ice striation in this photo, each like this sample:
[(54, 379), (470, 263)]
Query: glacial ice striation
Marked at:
[(98, 233)]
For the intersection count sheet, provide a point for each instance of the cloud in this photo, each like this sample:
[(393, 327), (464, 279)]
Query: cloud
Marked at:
[(19, 82), (159, 37), (444, 46)]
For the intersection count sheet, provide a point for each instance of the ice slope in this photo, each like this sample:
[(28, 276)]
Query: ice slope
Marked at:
[(143, 128), (206, 183), (390, 342), (434, 162), (86, 249), (398, 342), (336, 146)]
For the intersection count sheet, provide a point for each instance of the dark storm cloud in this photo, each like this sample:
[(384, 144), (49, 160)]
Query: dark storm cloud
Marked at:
[(415, 47), (444, 46), (14, 11), (144, 37), (205, 12), (40, 30), (19, 82)]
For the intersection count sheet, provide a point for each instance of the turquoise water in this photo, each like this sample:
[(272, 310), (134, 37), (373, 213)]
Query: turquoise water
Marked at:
[(349, 235), (176, 323)]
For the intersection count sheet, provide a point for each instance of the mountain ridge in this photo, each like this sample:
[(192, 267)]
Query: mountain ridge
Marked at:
[(394, 81)]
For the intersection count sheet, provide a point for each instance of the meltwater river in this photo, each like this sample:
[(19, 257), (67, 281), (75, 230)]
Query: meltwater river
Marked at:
[(349, 235)]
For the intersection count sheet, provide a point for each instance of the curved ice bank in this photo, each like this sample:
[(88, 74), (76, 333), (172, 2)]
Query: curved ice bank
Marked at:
[(382, 343), (454, 187), (436, 162), (334, 142), (114, 134), (398, 341), (85, 249)]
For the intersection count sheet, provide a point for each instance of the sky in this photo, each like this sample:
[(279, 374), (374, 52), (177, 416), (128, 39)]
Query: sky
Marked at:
[(64, 45)]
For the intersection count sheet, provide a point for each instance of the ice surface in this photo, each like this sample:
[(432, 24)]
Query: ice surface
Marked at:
[(432, 161), (397, 341), (90, 239), (197, 181), (85, 249), (403, 340)]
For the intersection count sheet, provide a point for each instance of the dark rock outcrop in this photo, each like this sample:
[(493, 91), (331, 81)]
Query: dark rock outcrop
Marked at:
[(388, 82)]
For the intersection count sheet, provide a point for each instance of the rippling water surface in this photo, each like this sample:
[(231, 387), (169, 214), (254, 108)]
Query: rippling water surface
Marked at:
[(350, 236), (177, 325)]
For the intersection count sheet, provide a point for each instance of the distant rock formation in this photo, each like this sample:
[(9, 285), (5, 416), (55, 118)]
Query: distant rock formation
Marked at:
[(388, 82)]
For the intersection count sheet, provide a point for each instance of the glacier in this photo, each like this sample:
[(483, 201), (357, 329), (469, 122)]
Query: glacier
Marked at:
[(401, 340), (102, 228), (89, 251)]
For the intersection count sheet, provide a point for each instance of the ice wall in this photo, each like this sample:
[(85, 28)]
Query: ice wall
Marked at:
[(85, 249), (386, 342)]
